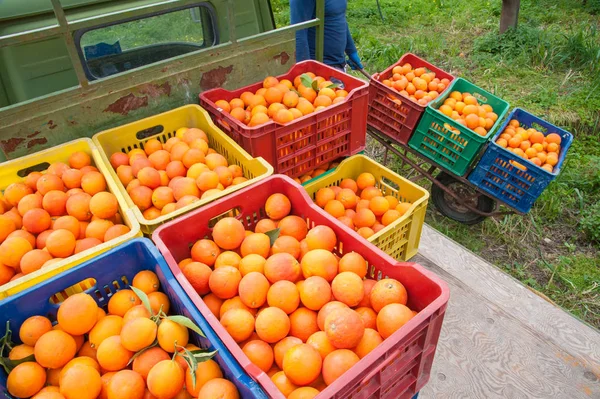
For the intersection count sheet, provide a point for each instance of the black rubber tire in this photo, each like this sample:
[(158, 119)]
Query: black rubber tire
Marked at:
[(464, 216)]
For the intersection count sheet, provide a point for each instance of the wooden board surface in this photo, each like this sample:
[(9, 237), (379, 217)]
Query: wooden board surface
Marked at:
[(499, 339)]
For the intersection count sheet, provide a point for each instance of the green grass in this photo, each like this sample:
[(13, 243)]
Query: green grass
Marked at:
[(549, 66)]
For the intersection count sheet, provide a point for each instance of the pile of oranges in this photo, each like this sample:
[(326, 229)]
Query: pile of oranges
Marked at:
[(464, 108), (542, 150), (162, 178), (417, 84), (132, 352), (360, 205), (283, 101), (52, 215), (298, 311)]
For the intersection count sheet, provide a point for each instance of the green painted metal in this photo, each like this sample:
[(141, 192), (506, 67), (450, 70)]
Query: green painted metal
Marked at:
[(319, 34), (255, 52)]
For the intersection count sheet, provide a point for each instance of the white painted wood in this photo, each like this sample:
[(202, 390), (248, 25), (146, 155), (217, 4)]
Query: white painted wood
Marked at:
[(499, 339)]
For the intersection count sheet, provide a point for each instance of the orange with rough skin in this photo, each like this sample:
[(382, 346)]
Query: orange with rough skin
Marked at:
[(323, 196), (391, 317), (124, 173), (78, 205), (68, 223), (365, 180), (272, 324), (253, 289), (126, 384), (256, 243), (239, 323), (320, 342), (319, 262), (138, 334), (347, 197), (304, 393), (134, 312), (16, 191), (277, 206), (252, 263), (353, 262), (321, 237), (315, 292), (36, 220), (205, 251), (337, 363), (206, 371), (335, 208), (198, 275), (387, 291), (108, 326), (284, 295), (26, 379), (7, 227), (326, 310), (370, 340), (368, 316), (33, 328), (282, 347), (347, 287), (265, 225), (283, 383), (29, 202), (171, 333), (97, 229), (219, 388), (293, 226), (302, 364), (234, 303), (260, 353), (166, 379), (286, 244), (77, 315), (54, 349), (93, 182), (224, 282), (282, 266), (364, 218), (146, 281), (85, 244), (303, 323), (45, 184), (31, 180), (344, 328), (34, 260), (122, 301), (143, 363), (112, 355), (213, 303)]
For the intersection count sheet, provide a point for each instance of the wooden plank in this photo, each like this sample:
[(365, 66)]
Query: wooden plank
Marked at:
[(500, 340)]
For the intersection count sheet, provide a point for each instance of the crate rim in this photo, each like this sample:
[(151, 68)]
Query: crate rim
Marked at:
[(231, 120), (13, 288), (380, 350), (562, 156), (375, 82), (434, 105), (151, 224), (394, 224)]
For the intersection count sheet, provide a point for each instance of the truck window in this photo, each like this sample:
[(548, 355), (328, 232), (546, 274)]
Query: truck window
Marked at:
[(125, 45)]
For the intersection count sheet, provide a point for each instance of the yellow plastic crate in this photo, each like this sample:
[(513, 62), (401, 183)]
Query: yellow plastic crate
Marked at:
[(162, 127), (401, 238), (15, 170)]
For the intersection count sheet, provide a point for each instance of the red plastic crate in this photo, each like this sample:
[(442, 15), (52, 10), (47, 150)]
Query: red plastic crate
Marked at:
[(392, 114), (307, 142), (397, 368)]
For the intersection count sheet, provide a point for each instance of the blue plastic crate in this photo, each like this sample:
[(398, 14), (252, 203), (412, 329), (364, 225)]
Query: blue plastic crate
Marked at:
[(512, 179), (112, 271)]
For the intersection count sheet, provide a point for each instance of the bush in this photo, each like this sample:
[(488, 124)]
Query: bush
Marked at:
[(590, 222)]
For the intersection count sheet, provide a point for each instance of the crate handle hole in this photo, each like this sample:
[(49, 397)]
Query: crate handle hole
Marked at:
[(82, 286), (151, 131), (518, 165), (481, 98), (40, 167)]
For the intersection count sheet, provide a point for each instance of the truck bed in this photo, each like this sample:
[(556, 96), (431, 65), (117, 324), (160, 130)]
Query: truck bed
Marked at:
[(501, 340)]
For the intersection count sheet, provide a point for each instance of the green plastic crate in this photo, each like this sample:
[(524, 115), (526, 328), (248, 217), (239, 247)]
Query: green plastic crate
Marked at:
[(454, 151)]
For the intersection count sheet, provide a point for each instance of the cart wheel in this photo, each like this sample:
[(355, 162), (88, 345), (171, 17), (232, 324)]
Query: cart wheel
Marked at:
[(450, 207)]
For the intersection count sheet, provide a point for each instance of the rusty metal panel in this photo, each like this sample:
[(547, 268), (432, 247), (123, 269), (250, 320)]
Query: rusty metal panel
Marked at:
[(79, 112)]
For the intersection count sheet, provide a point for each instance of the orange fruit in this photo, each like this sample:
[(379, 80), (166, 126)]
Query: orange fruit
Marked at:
[(218, 388), (205, 372), (264, 225), (304, 393), (391, 317), (112, 355), (284, 295), (166, 379), (319, 262), (326, 310), (122, 301), (337, 363), (20, 352), (239, 323), (315, 292), (26, 379), (321, 237), (144, 362), (205, 251), (34, 260), (260, 353), (93, 182), (303, 323), (302, 364), (553, 138), (16, 191), (80, 381), (282, 266), (283, 383), (319, 341), (335, 208), (77, 314), (370, 340), (198, 275), (29, 202), (379, 205), (54, 349), (224, 281), (286, 244), (12, 251), (7, 227), (364, 218), (138, 334), (344, 328), (126, 384), (31, 180), (282, 347), (368, 316), (353, 262), (36, 220), (277, 206), (134, 312), (256, 243), (253, 289), (387, 291), (170, 333), (252, 263), (33, 328), (347, 287), (272, 324), (228, 233), (108, 326), (365, 180)]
